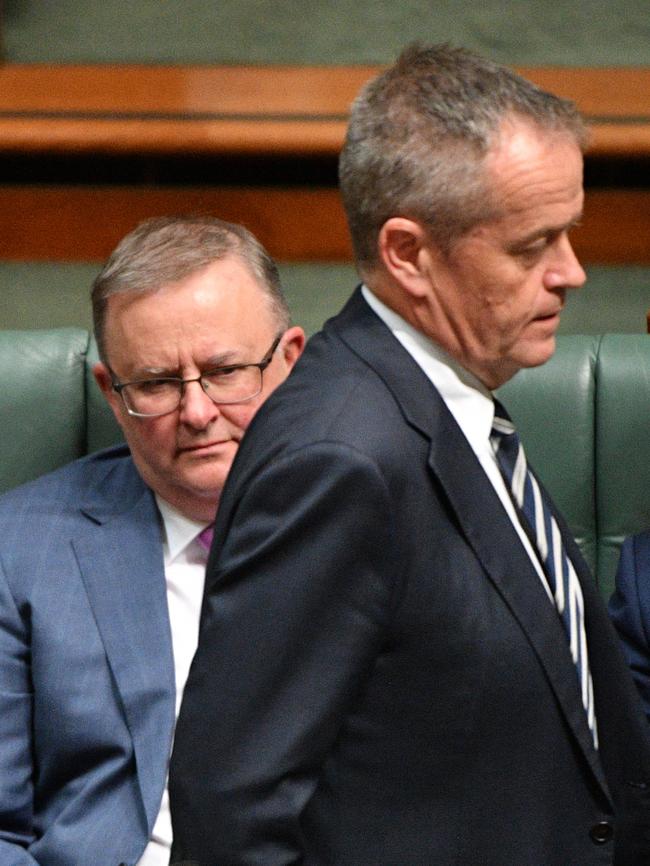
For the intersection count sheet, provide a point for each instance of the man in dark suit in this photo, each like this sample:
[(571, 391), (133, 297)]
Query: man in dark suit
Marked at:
[(403, 659), (629, 608), (101, 562)]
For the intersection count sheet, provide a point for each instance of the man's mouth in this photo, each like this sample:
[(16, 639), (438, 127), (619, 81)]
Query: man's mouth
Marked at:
[(553, 314), (204, 447)]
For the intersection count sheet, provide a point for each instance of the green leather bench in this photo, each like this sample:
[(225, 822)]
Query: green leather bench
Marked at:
[(51, 409), (585, 423), (584, 418)]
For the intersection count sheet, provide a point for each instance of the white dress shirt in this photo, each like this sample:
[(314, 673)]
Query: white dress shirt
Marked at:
[(468, 400), (185, 561)]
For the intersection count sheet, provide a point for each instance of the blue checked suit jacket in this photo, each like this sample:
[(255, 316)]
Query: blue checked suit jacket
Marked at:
[(86, 668)]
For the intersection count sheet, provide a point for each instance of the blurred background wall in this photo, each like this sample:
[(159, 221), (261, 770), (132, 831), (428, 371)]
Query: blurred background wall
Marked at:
[(595, 33), (538, 33)]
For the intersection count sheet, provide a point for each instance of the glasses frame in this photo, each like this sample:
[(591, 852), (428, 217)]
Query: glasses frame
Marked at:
[(119, 387)]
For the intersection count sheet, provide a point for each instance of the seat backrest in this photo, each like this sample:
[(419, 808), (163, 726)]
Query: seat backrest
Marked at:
[(585, 420), (102, 429), (51, 409), (622, 465), (553, 407)]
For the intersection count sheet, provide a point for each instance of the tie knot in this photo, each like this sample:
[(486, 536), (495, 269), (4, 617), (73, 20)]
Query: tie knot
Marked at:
[(502, 425), (205, 537), (509, 451)]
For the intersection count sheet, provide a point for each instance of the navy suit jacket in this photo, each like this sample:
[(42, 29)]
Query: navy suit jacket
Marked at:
[(86, 668), (629, 608), (381, 679)]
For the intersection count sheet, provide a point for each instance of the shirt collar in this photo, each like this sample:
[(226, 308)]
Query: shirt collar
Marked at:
[(178, 530), (467, 398)]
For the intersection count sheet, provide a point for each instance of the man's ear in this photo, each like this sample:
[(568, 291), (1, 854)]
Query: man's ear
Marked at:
[(293, 342), (404, 249), (105, 383)]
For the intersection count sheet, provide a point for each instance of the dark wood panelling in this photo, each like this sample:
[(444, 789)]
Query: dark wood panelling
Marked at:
[(101, 116), (75, 223), (81, 224)]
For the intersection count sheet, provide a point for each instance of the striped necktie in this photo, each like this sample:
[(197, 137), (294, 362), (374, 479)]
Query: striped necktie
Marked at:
[(537, 518)]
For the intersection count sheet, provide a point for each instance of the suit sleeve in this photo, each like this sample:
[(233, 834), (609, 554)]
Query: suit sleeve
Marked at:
[(629, 608), (16, 791), (294, 614)]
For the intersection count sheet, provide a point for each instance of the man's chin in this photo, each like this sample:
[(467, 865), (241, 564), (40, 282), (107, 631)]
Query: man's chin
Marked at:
[(204, 476), (541, 351), (538, 348), (531, 354), (206, 483), (204, 493)]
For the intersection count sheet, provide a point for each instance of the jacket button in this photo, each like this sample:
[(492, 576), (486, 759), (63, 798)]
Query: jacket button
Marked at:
[(601, 832)]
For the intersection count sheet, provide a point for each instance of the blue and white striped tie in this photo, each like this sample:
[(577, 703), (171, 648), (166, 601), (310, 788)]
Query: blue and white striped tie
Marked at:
[(562, 578)]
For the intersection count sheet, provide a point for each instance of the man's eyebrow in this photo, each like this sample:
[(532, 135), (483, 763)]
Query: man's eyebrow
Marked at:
[(224, 359), (229, 358), (154, 372)]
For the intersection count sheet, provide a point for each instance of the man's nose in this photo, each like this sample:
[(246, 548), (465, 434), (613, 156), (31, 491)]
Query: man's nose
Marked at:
[(566, 272), (197, 409)]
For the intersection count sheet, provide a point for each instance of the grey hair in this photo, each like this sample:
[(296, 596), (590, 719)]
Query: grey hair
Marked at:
[(418, 136), (165, 250)]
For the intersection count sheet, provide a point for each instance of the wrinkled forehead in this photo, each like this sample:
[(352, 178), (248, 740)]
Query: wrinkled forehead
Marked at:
[(527, 164), (221, 309), (518, 140)]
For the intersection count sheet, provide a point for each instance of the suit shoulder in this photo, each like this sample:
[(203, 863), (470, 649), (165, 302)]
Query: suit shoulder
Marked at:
[(331, 393), (640, 539), (334, 406), (638, 546), (71, 482), (40, 521)]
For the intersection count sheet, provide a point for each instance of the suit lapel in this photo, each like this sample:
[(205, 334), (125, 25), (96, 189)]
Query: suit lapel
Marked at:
[(479, 512), (488, 530), (121, 563)]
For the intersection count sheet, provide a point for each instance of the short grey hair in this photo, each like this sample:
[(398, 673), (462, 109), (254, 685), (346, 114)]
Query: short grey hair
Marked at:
[(418, 136), (165, 250)]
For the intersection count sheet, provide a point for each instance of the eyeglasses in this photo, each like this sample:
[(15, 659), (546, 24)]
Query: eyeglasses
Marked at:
[(235, 383)]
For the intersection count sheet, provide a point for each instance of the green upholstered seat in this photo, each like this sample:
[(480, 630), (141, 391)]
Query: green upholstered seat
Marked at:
[(622, 462), (584, 418), (553, 407), (585, 421), (46, 396)]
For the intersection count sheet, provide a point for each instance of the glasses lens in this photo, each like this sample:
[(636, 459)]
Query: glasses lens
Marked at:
[(154, 397), (232, 385), (160, 396)]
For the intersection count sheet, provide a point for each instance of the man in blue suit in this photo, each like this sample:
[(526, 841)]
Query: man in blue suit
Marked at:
[(404, 660), (102, 562)]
